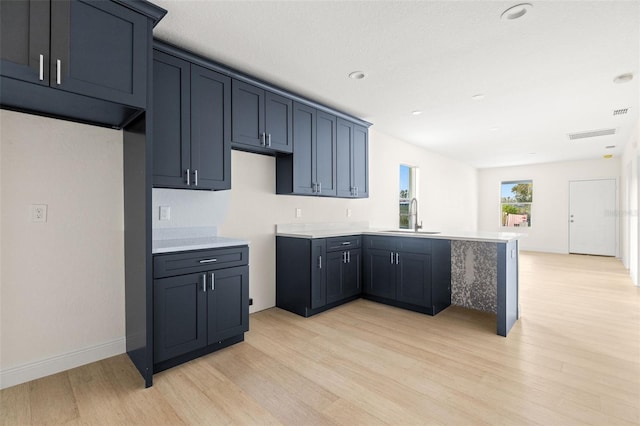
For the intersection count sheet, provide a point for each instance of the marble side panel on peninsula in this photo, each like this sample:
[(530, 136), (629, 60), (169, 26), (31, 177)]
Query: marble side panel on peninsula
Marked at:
[(474, 276)]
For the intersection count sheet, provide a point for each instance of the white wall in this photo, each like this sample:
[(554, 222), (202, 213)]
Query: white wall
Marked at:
[(630, 196), (550, 209), (251, 208), (62, 282)]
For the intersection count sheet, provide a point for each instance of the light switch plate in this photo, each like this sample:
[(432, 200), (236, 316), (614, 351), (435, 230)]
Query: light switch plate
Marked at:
[(165, 213), (298, 212), (348, 212)]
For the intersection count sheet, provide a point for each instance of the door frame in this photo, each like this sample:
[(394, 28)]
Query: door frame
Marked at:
[(616, 211)]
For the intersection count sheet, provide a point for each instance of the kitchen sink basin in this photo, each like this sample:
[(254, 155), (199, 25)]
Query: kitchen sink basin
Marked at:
[(411, 231)]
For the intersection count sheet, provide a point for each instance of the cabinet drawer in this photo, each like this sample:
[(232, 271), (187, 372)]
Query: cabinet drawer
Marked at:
[(380, 243), (343, 243), (166, 265), (414, 245)]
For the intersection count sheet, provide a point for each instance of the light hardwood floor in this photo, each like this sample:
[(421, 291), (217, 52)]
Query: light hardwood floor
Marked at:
[(573, 358)]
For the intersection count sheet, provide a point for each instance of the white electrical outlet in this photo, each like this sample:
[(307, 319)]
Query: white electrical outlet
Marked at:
[(165, 213), (348, 212), (38, 213), (298, 212)]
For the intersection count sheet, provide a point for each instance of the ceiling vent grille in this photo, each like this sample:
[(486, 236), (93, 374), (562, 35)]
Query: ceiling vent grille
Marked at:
[(620, 111), (591, 134)]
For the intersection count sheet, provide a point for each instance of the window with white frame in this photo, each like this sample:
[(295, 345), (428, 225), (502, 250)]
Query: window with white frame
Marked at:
[(516, 198), (408, 191)]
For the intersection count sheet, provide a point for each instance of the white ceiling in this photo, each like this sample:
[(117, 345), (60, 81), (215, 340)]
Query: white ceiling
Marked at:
[(545, 75)]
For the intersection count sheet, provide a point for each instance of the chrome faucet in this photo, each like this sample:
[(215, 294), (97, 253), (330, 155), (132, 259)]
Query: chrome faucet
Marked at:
[(414, 213)]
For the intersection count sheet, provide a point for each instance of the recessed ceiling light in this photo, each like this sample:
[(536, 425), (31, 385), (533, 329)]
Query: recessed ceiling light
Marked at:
[(416, 112), (610, 146), (607, 156), (623, 78), (357, 75), (478, 97), (516, 12)]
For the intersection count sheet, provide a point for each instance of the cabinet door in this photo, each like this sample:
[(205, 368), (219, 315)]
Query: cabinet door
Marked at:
[(227, 303), (325, 153), (344, 152), (171, 123), (210, 129), (278, 122), (414, 278), (360, 161), (247, 114), (179, 316), (335, 276), (352, 281), (379, 273), (24, 40), (304, 136), (318, 274), (98, 49)]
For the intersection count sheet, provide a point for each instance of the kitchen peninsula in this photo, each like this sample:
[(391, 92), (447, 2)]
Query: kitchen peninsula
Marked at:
[(320, 266)]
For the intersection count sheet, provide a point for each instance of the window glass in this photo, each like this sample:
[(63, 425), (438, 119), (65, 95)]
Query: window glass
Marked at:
[(408, 183), (516, 198)]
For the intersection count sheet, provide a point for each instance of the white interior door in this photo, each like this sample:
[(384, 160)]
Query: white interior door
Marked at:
[(592, 217)]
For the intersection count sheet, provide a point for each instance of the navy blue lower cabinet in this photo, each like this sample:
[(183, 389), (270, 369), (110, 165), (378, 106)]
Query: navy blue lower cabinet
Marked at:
[(408, 272), (313, 275), (198, 311)]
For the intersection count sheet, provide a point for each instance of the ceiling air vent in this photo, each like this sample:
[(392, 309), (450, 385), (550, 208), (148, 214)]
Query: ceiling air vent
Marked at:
[(591, 134), (620, 111)]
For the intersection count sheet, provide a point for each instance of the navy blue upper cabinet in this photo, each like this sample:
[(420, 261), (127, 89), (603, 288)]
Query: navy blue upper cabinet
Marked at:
[(261, 120), (97, 49), (353, 160), (191, 125), (311, 170)]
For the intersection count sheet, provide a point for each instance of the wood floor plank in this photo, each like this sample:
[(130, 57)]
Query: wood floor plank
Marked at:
[(573, 358)]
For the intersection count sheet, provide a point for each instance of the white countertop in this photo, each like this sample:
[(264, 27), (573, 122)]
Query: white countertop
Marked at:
[(183, 239), (317, 231)]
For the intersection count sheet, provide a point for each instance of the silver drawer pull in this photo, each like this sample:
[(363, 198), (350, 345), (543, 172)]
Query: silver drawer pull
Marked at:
[(347, 243), (41, 75), (208, 260)]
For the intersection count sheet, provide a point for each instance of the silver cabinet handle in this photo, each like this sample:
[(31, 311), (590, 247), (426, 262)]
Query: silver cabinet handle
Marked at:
[(315, 187), (348, 257), (346, 243), (188, 177), (392, 258), (344, 257), (319, 262), (319, 187), (397, 258), (195, 177), (208, 260), (41, 67), (213, 281), (263, 140), (269, 140), (204, 282), (58, 71)]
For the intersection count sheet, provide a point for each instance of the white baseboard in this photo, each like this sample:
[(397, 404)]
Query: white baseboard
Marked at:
[(46, 367)]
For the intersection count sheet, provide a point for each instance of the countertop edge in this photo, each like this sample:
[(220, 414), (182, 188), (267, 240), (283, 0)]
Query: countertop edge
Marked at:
[(440, 236)]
